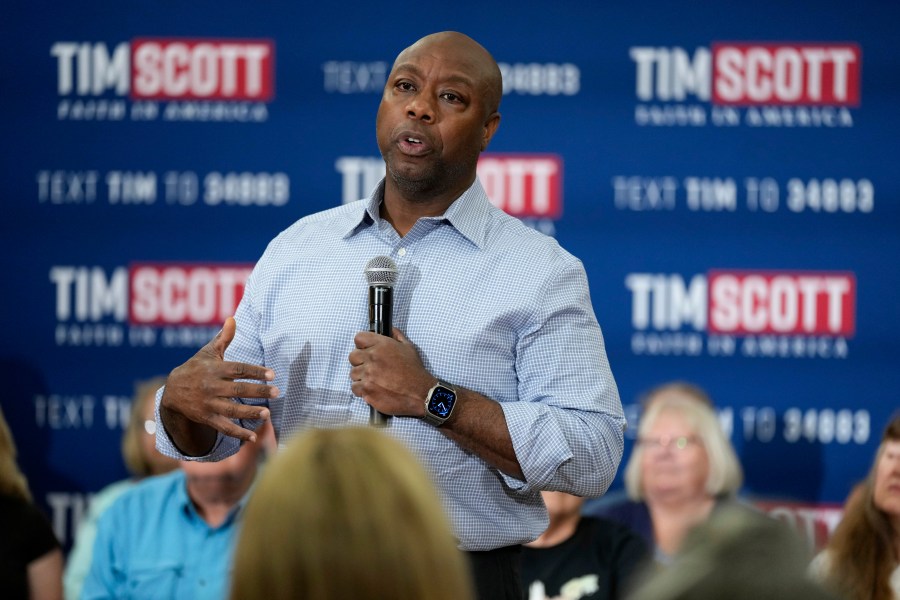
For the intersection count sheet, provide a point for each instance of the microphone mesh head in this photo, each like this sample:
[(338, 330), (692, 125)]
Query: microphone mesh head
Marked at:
[(381, 270)]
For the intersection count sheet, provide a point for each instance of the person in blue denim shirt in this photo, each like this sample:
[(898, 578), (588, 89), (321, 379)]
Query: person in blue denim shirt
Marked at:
[(171, 536), (142, 459)]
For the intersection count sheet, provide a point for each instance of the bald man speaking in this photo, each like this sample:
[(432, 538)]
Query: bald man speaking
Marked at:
[(495, 373)]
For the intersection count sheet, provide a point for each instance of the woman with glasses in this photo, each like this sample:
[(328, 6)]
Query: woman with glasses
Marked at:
[(682, 467)]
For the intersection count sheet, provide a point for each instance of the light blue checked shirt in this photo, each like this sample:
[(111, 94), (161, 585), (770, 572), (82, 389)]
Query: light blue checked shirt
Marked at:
[(492, 306)]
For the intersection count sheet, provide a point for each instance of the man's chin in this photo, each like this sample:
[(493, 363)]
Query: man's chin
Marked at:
[(426, 181), (412, 182)]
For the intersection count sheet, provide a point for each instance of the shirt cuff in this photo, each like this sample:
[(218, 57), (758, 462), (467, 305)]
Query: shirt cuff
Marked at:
[(535, 437), (223, 448)]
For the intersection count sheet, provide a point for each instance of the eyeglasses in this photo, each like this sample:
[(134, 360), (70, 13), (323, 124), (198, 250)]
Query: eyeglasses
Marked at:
[(150, 426), (665, 442)]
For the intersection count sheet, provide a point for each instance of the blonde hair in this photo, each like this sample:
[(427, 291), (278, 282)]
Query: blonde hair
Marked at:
[(132, 450), (12, 481), (347, 513), (689, 401)]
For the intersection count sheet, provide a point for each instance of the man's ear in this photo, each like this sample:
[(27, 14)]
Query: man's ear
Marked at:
[(490, 127)]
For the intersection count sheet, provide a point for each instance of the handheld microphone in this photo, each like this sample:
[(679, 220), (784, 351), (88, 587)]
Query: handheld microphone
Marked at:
[(381, 275)]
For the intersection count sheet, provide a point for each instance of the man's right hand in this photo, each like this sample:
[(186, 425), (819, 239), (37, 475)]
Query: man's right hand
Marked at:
[(199, 397)]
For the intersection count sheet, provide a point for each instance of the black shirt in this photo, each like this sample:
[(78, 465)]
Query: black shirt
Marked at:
[(25, 535), (596, 563)]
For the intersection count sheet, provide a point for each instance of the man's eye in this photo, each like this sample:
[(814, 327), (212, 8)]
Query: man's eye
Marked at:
[(452, 97), (405, 86)]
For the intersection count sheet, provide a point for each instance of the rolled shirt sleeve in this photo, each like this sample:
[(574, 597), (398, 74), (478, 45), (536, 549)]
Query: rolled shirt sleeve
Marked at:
[(567, 427)]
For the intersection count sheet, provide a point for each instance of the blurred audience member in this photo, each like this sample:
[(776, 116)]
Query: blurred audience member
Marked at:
[(172, 536), (31, 560), (862, 559), (681, 468), (580, 557), (347, 513), (736, 555), (142, 459)]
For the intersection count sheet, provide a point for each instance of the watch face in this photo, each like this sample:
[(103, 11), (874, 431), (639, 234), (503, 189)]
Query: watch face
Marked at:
[(441, 402)]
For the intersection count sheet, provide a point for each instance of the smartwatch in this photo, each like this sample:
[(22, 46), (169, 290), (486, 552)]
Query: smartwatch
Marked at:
[(439, 403)]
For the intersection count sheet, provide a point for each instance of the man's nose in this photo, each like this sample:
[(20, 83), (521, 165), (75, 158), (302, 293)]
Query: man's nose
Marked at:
[(419, 107)]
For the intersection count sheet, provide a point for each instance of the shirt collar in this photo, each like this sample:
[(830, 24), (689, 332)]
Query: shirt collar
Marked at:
[(187, 505), (468, 214)]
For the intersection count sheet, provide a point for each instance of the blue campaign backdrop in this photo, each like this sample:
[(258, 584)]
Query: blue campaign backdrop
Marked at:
[(724, 171)]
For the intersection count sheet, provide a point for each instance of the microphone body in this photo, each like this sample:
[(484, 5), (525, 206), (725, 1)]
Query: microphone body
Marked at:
[(381, 305), (381, 274)]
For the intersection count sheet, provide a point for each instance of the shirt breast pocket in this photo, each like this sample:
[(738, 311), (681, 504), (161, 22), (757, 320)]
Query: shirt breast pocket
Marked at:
[(152, 581)]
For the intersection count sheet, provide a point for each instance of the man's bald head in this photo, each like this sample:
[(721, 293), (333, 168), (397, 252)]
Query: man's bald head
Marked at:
[(483, 66)]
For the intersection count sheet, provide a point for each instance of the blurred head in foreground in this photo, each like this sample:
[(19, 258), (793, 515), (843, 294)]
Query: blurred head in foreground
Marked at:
[(739, 555), (347, 513)]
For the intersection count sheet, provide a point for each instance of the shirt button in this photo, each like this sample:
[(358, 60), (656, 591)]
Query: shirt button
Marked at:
[(401, 252)]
